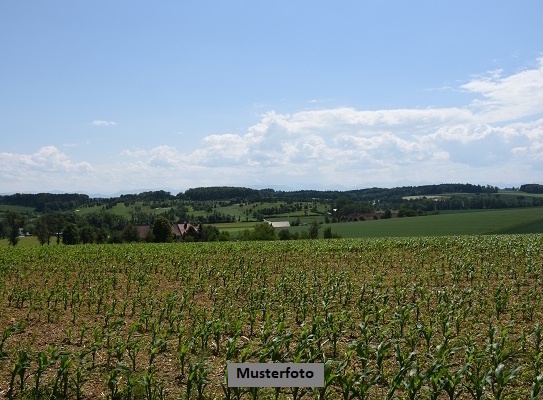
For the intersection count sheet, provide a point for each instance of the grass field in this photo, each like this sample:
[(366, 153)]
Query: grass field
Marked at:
[(518, 194), (17, 209), (525, 220), (24, 241), (122, 210), (471, 222), (398, 318)]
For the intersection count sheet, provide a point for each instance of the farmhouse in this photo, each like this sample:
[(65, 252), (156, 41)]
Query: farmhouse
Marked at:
[(279, 224), (179, 231)]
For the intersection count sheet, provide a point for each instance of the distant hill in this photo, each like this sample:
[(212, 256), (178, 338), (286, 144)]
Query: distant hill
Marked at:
[(45, 202)]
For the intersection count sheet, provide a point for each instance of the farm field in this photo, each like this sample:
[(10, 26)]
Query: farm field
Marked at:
[(524, 220), (467, 222), (24, 242), (433, 317)]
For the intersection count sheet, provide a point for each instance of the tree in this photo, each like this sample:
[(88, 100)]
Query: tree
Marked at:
[(70, 234), (162, 230), (284, 234), (208, 233), (87, 234), (101, 235), (55, 223), (263, 231), (328, 234), (14, 221), (224, 236), (130, 233), (42, 230), (314, 230)]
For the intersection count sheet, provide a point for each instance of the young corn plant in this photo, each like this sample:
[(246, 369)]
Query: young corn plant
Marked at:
[(477, 373), (79, 378), (501, 378), (44, 360), (197, 376), (19, 369), (7, 333), (536, 387), (60, 388)]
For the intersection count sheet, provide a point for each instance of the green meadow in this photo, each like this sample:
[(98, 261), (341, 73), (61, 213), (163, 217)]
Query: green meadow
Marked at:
[(525, 220)]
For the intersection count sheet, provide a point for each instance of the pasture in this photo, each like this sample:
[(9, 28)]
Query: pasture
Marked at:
[(474, 222), (433, 317)]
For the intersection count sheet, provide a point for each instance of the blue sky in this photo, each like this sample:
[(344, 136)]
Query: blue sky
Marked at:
[(107, 96)]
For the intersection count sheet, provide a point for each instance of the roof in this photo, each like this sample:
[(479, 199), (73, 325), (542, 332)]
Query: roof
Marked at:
[(143, 230), (279, 224)]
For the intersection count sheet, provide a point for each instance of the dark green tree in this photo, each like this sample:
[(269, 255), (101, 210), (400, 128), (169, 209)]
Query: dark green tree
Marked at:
[(130, 233), (162, 230), (87, 234), (2, 229), (70, 234), (42, 230), (208, 233), (328, 234), (14, 221), (314, 230), (263, 231), (101, 235), (284, 234), (55, 222)]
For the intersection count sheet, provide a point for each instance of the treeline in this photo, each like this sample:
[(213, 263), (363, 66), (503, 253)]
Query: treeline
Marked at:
[(532, 188), (370, 194), (44, 202), (223, 193), (477, 202), (393, 197)]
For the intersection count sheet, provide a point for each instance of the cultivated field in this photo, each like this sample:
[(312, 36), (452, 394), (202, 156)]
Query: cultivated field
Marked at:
[(474, 222), (433, 318)]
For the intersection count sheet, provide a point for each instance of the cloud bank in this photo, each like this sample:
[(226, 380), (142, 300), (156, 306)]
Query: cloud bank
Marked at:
[(496, 138)]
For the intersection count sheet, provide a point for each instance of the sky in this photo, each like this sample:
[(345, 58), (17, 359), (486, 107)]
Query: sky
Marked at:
[(102, 97)]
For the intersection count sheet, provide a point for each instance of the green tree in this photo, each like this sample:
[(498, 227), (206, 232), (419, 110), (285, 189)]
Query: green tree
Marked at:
[(263, 231), (208, 233), (2, 229), (224, 236), (314, 230), (14, 221), (101, 235), (87, 234), (130, 233), (55, 223), (162, 230), (42, 230), (244, 235), (284, 234), (328, 234), (70, 234)]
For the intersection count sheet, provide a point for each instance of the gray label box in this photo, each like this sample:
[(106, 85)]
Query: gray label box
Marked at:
[(275, 375)]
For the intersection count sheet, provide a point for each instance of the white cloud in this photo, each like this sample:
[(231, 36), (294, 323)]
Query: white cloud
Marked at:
[(133, 153), (496, 138), (505, 98), (99, 122), (46, 169)]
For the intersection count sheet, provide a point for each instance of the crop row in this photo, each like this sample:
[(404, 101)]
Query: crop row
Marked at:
[(456, 317)]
